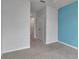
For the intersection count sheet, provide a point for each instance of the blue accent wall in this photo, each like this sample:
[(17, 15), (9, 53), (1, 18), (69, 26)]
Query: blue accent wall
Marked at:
[(68, 24)]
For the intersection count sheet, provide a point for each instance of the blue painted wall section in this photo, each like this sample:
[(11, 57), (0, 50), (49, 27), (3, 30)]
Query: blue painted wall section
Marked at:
[(68, 24)]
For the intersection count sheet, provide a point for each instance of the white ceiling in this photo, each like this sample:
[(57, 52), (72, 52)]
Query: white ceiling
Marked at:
[(60, 3), (36, 5)]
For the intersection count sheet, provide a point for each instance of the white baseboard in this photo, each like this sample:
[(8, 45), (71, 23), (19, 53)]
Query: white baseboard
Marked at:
[(13, 50), (51, 42), (68, 45), (8, 51)]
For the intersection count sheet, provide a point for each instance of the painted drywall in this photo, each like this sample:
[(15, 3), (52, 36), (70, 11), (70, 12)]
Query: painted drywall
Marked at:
[(51, 24), (47, 24), (68, 24), (41, 24), (15, 25)]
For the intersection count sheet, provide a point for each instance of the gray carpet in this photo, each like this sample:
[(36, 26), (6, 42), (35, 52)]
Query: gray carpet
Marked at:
[(39, 50)]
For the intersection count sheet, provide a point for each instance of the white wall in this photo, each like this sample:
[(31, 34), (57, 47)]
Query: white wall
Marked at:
[(41, 24), (47, 21), (15, 25), (51, 24)]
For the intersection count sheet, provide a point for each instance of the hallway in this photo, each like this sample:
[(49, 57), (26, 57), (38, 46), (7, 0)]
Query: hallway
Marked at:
[(39, 50)]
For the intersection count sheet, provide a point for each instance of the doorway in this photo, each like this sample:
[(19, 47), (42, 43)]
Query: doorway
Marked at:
[(37, 23), (32, 28)]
